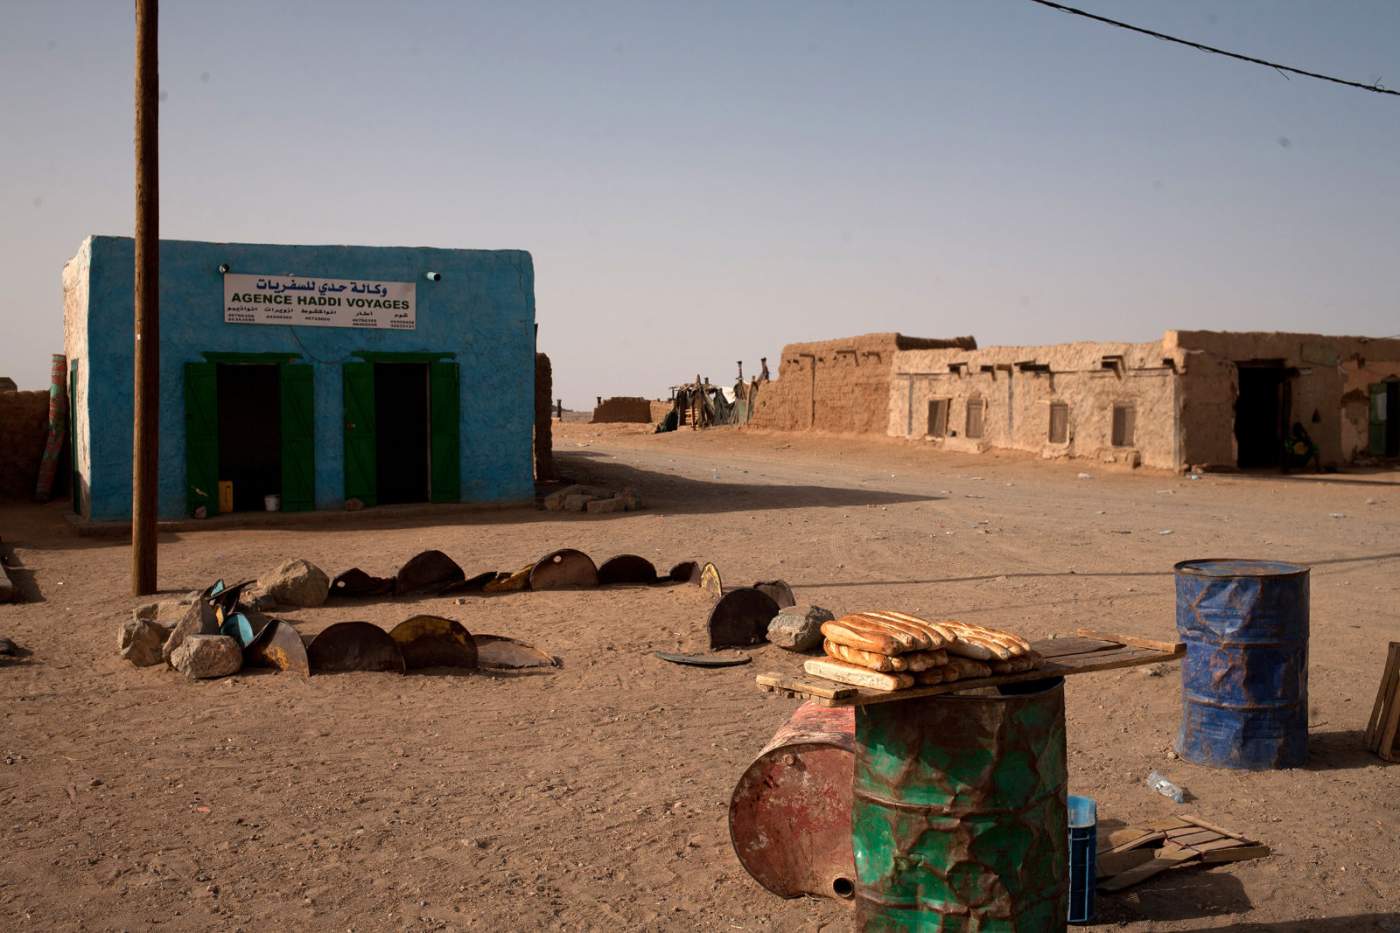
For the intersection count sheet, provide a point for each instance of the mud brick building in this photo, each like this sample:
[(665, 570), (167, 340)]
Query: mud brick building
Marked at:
[(1192, 399)]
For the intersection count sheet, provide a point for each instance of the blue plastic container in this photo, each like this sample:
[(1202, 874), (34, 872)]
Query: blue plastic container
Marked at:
[(1083, 860), (1245, 676)]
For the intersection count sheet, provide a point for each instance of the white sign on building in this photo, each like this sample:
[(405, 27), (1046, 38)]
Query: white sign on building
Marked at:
[(303, 301)]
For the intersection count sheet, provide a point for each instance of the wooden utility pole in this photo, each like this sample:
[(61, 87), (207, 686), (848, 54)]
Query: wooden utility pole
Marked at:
[(146, 399)]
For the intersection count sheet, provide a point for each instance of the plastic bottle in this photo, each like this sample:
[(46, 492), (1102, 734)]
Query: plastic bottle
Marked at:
[(1161, 785)]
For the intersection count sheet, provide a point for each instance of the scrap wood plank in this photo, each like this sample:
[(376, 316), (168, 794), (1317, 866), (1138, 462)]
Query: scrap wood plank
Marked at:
[(1175, 648), (1110, 864), (1236, 853), (1197, 821), (1097, 655), (1385, 715), (1168, 856), (1134, 837), (810, 686)]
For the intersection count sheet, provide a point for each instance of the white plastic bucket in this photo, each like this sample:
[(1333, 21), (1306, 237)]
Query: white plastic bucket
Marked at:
[(272, 503)]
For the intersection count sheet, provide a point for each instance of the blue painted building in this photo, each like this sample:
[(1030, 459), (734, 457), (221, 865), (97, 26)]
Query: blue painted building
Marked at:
[(314, 374)]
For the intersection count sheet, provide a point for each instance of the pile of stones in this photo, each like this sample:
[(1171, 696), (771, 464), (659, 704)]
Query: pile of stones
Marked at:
[(176, 632), (593, 499)]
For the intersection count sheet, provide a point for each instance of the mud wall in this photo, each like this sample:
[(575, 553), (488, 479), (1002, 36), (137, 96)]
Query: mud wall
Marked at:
[(1329, 381), (627, 409), (660, 408), (544, 418), (841, 386), (1017, 387), (24, 430)]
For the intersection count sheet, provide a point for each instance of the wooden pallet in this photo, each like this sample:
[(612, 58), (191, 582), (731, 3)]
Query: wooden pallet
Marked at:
[(1136, 853), (1381, 729), (1085, 652)]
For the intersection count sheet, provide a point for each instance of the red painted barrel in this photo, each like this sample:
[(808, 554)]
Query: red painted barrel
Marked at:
[(790, 816)]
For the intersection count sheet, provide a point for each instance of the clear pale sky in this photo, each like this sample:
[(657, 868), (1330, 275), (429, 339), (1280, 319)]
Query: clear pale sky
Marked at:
[(704, 182)]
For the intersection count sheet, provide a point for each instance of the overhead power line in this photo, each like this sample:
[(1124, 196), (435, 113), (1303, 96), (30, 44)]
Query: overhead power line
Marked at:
[(1375, 88)]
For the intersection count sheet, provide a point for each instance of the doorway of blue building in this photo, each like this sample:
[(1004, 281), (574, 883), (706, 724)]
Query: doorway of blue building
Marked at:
[(401, 442), (250, 433), (402, 425), (249, 421)]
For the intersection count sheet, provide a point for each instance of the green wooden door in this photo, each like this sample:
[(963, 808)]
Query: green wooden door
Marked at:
[(444, 408), (298, 438), (361, 469), (1378, 415), (202, 437)]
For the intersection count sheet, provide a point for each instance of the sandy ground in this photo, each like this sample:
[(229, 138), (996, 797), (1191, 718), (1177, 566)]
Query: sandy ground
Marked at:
[(596, 797)]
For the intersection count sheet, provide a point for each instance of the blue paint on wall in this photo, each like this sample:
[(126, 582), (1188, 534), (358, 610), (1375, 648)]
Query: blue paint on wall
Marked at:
[(482, 310)]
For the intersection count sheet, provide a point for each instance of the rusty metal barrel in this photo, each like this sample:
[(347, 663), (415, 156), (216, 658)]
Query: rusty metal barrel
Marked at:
[(1244, 679), (790, 815), (959, 817)]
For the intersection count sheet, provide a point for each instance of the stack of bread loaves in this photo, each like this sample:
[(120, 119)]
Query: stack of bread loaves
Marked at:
[(892, 650)]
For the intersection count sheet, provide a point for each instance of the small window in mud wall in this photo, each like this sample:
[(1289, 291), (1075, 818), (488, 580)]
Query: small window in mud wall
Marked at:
[(938, 417), (1059, 423), (1124, 424), (976, 418)]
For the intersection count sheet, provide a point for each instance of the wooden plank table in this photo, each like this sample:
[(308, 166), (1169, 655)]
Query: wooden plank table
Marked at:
[(1083, 653)]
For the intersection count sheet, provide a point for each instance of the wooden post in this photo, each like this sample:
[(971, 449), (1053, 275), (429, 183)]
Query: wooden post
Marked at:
[(146, 398)]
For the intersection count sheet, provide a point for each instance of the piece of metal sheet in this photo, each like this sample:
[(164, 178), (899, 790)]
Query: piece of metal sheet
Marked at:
[(279, 646), (225, 601), (741, 618), (704, 660), (509, 582), (499, 653), (356, 584), (710, 581), (790, 813), (477, 583), (238, 628), (626, 568), (564, 569), (432, 641), (779, 590), (354, 646), (428, 574)]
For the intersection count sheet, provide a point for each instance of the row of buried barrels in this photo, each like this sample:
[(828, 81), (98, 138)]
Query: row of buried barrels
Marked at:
[(739, 617), (949, 812), (433, 573), (421, 641)]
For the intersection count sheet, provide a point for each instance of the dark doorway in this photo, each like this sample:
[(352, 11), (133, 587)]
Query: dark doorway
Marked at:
[(401, 424), (1392, 419), (250, 433), (1261, 413)]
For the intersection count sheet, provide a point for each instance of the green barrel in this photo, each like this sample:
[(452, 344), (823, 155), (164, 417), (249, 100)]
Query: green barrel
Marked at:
[(958, 816)]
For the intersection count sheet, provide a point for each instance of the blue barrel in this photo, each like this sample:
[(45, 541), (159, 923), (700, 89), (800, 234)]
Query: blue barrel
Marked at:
[(1245, 676)]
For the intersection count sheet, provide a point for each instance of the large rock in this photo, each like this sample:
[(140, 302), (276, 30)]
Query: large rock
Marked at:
[(798, 628), (198, 620), (140, 641), (296, 583), (203, 656), (168, 612)]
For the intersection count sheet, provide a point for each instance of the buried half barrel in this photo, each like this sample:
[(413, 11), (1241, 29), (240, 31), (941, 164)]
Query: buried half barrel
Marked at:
[(790, 815), (1245, 675), (958, 816)]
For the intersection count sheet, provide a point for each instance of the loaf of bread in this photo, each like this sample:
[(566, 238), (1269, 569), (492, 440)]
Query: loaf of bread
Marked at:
[(913, 661), (866, 659), (857, 676)]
